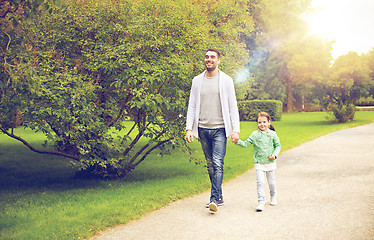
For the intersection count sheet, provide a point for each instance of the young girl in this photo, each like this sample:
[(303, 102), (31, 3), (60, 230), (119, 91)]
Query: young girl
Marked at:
[(266, 150)]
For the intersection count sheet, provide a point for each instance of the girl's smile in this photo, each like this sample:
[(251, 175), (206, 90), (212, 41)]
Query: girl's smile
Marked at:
[(263, 123)]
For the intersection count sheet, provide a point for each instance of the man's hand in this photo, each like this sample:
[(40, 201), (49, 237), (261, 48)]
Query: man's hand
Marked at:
[(189, 136), (272, 157), (234, 137)]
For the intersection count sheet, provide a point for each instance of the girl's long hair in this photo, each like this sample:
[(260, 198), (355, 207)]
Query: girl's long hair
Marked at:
[(265, 114)]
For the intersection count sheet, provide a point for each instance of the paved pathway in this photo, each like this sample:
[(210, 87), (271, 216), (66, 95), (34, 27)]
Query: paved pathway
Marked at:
[(325, 191)]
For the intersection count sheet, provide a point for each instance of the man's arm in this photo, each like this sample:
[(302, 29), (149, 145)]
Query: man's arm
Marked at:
[(233, 111), (191, 111)]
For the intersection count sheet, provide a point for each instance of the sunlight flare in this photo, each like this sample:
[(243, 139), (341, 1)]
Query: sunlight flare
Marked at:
[(348, 23)]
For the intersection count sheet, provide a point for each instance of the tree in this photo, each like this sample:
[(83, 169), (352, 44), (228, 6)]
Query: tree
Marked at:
[(229, 22), (85, 67), (285, 60), (308, 66), (370, 59), (12, 14), (348, 81)]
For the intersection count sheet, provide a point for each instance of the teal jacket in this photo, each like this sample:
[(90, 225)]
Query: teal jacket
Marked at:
[(265, 145)]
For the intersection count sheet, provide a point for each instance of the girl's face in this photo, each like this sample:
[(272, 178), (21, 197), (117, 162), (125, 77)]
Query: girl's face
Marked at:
[(263, 123)]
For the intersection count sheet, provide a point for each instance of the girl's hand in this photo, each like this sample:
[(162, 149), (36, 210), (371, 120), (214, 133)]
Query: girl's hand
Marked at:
[(272, 157), (234, 140)]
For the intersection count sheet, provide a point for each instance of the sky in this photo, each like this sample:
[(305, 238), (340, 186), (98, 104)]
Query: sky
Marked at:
[(349, 22)]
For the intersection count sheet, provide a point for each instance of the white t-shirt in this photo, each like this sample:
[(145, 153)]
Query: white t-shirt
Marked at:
[(266, 167)]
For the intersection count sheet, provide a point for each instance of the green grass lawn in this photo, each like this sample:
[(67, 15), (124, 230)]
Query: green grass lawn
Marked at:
[(41, 199)]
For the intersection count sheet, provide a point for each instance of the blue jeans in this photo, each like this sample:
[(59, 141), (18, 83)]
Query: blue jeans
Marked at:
[(213, 143)]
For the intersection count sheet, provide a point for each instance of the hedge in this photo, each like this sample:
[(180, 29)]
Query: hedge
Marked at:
[(369, 101), (248, 110)]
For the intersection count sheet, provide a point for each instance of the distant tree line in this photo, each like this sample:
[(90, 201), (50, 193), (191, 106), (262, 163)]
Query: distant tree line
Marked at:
[(291, 65)]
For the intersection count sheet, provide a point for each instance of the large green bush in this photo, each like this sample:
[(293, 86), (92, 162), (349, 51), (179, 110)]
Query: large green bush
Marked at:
[(343, 113), (248, 110), (81, 68), (349, 80)]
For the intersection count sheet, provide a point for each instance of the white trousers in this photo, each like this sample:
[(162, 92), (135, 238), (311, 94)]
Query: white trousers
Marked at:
[(270, 175)]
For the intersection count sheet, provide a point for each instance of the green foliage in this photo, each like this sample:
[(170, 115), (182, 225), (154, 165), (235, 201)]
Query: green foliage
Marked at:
[(82, 68), (370, 60), (368, 101), (348, 81), (228, 22), (248, 110), (343, 113), (286, 60), (252, 86)]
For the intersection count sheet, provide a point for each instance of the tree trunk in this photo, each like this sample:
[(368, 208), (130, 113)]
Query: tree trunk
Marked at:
[(289, 96), (303, 102), (288, 80)]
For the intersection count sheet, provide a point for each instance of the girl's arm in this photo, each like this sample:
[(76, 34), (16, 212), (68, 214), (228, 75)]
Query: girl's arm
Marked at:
[(247, 142), (277, 145)]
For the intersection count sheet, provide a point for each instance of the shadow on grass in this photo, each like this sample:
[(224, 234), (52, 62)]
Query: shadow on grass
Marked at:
[(22, 169)]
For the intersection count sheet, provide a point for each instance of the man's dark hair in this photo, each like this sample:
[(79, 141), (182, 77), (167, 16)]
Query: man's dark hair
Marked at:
[(214, 50)]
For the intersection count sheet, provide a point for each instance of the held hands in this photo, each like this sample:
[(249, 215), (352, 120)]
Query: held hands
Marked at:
[(272, 157), (234, 137)]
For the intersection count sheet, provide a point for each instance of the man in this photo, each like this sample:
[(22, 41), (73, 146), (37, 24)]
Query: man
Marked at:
[(213, 116)]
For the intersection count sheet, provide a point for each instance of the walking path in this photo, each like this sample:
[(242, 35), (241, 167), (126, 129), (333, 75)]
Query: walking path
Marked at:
[(325, 191)]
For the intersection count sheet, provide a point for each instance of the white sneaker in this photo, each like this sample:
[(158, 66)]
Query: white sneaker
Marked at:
[(213, 207), (260, 207), (273, 201)]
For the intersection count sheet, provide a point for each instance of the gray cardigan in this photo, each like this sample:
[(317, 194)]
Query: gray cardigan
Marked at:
[(228, 102)]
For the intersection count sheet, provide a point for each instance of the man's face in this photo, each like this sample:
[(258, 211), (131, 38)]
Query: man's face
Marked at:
[(211, 61)]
